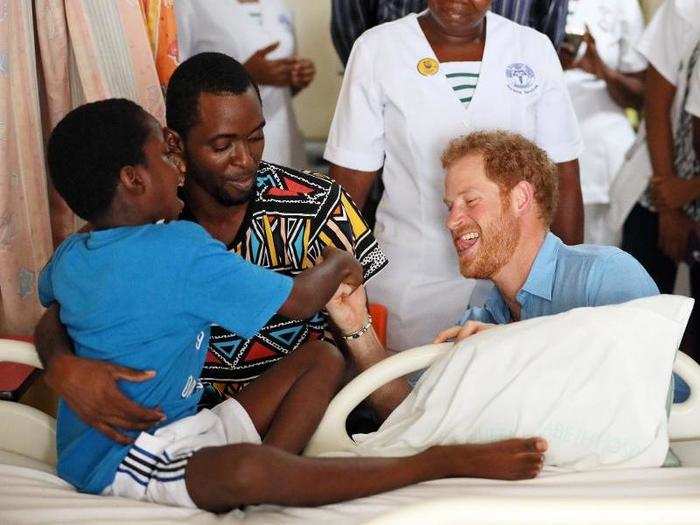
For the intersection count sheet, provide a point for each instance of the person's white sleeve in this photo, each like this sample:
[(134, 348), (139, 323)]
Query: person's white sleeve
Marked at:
[(631, 60), (662, 42), (692, 104), (356, 136), (557, 126)]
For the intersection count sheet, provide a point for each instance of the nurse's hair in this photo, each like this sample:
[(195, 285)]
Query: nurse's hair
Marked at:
[(508, 159), (88, 149), (214, 73)]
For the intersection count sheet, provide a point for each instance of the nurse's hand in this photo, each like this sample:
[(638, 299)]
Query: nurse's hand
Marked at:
[(671, 192), (303, 72), (674, 232), (270, 72), (348, 308), (457, 333)]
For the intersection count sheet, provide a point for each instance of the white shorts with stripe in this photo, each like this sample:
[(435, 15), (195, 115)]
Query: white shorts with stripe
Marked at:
[(154, 468)]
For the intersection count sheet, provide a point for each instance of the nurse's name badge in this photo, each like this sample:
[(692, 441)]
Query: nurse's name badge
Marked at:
[(428, 66)]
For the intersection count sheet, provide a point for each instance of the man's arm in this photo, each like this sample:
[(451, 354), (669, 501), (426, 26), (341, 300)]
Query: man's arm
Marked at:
[(348, 310), (568, 220), (357, 183), (90, 387)]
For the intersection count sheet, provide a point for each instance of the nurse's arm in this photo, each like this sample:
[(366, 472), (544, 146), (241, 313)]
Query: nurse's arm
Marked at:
[(626, 89), (90, 387), (568, 219), (357, 183)]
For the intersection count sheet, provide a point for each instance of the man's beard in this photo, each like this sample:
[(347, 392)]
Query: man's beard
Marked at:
[(497, 245), (225, 199)]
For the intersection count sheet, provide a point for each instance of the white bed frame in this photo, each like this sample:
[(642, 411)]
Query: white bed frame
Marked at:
[(31, 433), (27, 431)]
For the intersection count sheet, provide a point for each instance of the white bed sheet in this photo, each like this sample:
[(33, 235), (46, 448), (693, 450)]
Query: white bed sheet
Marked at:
[(29, 494)]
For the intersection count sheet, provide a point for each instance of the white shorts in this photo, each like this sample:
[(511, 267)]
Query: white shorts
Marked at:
[(154, 468)]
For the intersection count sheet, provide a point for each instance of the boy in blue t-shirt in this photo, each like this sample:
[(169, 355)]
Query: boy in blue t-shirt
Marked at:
[(143, 294)]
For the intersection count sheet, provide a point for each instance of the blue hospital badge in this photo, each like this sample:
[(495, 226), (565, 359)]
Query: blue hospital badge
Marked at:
[(520, 78)]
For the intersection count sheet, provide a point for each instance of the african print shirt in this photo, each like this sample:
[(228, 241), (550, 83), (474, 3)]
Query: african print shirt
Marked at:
[(292, 218)]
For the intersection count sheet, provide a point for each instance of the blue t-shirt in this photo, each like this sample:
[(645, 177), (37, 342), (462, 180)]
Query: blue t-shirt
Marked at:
[(144, 297), (566, 277)]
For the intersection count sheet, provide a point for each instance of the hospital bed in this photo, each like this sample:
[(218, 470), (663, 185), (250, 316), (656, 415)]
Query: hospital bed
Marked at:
[(30, 492)]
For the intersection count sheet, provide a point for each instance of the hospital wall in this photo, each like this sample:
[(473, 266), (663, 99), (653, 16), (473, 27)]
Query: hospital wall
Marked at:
[(315, 106)]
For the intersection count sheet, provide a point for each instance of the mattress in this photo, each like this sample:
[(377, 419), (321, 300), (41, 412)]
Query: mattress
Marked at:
[(31, 493)]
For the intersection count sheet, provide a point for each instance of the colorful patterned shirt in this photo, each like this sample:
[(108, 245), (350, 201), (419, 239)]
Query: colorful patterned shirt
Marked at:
[(291, 219)]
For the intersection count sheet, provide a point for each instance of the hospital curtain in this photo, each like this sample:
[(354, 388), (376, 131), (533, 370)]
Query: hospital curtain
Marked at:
[(54, 56)]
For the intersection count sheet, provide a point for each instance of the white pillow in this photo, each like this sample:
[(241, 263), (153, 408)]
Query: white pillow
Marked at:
[(592, 381)]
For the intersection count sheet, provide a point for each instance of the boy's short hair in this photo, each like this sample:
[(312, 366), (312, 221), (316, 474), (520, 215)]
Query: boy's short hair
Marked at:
[(214, 73), (508, 159), (89, 147)]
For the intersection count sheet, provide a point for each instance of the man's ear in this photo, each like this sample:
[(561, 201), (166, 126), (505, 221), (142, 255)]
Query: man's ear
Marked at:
[(522, 197), (176, 146), (133, 180)]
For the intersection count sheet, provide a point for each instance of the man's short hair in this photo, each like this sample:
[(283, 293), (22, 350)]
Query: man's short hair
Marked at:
[(214, 73), (508, 159), (88, 148)]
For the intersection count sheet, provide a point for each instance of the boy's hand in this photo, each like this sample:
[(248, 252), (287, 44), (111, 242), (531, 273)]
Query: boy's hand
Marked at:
[(457, 333), (90, 389), (348, 308), (346, 263)]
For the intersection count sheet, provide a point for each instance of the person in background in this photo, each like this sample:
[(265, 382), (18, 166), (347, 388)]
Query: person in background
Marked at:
[(658, 228), (411, 86), (260, 35), (604, 74), (351, 18)]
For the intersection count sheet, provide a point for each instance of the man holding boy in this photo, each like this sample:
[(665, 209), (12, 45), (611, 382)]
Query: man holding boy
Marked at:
[(272, 216), (135, 290)]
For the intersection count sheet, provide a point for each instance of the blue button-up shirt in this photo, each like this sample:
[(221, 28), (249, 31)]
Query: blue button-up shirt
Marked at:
[(566, 277)]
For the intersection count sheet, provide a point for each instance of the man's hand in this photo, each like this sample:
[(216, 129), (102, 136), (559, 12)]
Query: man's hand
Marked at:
[(270, 72), (348, 308), (591, 62), (90, 389), (303, 72), (457, 333), (671, 192), (674, 231)]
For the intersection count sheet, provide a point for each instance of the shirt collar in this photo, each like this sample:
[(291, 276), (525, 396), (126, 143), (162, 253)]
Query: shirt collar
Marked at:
[(540, 281)]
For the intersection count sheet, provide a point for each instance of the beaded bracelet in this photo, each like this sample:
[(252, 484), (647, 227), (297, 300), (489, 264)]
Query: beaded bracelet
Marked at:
[(360, 332)]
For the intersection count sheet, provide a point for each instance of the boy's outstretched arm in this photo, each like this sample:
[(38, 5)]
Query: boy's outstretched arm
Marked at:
[(88, 386), (313, 288)]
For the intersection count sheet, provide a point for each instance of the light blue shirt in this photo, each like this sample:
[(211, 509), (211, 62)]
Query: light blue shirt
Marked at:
[(566, 277)]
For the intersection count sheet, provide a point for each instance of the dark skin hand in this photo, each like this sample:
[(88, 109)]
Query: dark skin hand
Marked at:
[(107, 409), (666, 188), (625, 89)]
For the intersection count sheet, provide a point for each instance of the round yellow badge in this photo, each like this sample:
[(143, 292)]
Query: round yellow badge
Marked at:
[(428, 66)]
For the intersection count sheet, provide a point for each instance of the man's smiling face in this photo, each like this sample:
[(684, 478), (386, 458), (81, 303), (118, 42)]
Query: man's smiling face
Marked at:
[(224, 147), (484, 228)]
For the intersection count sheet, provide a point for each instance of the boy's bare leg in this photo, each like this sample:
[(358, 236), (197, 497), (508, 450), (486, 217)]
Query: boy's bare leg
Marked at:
[(287, 402), (222, 478)]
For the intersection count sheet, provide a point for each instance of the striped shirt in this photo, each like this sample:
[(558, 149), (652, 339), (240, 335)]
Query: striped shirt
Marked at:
[(350, 18), (462, 77)]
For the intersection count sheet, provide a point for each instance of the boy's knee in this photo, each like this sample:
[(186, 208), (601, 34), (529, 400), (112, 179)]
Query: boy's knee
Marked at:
[(325, 356)]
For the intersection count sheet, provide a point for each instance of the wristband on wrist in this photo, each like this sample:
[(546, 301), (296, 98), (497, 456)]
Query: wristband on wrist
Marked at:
[(359, 332)]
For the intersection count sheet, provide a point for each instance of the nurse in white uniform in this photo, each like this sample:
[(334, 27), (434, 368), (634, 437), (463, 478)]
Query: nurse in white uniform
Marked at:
[(248, 30), (412, 85), (606, 78)]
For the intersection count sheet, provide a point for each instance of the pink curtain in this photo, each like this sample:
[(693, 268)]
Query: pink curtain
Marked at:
[(78, 52)]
